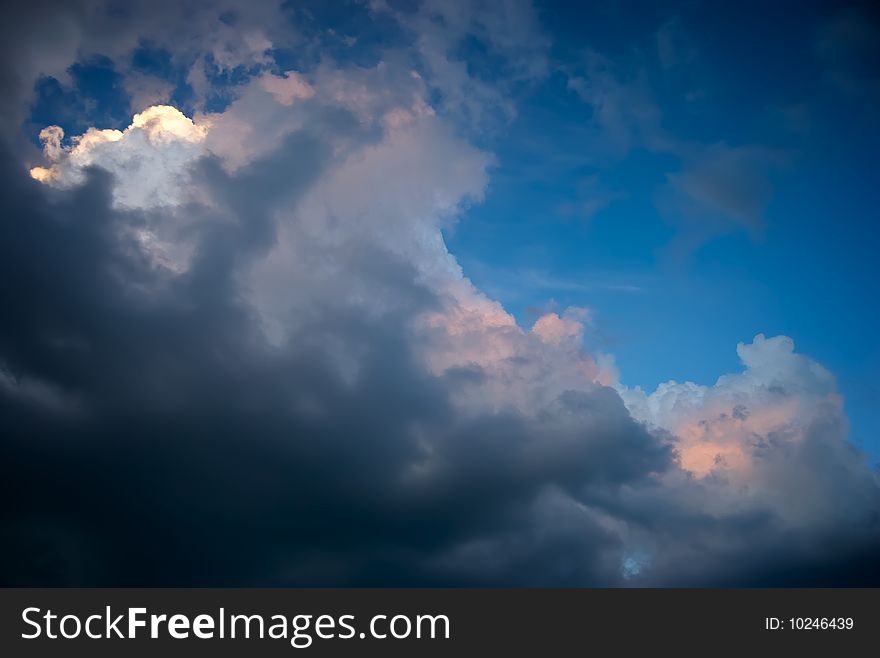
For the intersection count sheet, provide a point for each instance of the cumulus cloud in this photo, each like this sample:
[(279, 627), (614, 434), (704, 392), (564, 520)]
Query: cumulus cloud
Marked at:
[(150, 162), (761, 430), (238, 351), (149, 159)]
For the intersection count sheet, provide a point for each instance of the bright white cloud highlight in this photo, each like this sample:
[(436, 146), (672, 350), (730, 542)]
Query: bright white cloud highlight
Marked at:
[(150, 159)]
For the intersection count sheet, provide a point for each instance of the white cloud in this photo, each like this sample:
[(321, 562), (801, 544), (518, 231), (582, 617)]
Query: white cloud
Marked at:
[(150, 159), (725, 427), (150, 162), (754, 437)]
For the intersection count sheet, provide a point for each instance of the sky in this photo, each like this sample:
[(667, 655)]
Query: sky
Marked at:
[(439, 293)]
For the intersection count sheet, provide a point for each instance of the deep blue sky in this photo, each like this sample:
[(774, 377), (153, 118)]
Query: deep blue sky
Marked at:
[(598, 197)]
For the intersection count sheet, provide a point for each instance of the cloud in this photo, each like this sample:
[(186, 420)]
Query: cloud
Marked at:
[(766, 462), (237, 351), (442, 31), (150, 162), (720, 188), (149, 159), (622, 105), (340, 345), (46, 37), (763, 430), (147, 90), (555, 330)]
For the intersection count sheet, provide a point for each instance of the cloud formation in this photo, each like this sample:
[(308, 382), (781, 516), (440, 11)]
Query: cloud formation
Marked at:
[(149, 160), (762, 429), (238, 351)]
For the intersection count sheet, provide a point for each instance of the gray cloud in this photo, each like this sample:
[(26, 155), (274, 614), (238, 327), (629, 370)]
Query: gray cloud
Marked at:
[(202, 455), (441, 32)]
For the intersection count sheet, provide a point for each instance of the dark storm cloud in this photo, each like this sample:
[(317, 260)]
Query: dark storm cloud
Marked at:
[(184, 457)]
